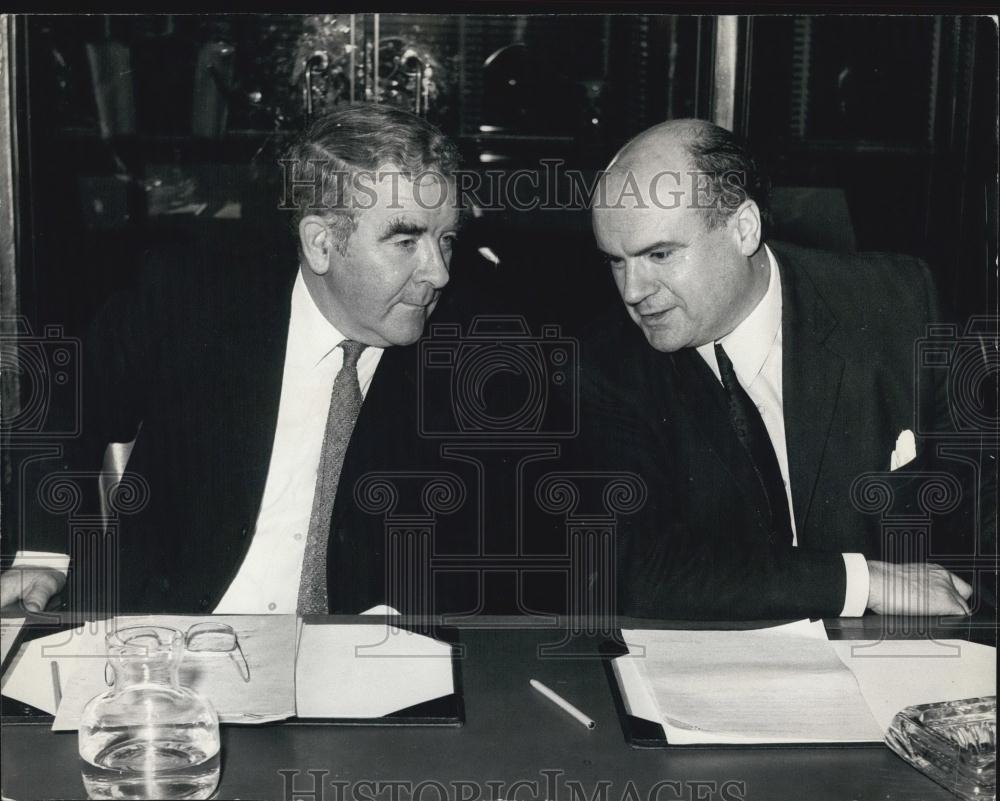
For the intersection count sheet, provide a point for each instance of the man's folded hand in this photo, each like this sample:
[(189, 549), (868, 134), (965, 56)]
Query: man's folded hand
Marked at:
[(33, 586), (916, 589)]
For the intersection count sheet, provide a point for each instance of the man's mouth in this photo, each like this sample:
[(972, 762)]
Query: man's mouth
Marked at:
[(424, 304), (654, 318)]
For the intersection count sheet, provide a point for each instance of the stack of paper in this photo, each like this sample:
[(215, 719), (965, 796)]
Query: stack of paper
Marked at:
[(895, 674), (781, 685), (789, 684)]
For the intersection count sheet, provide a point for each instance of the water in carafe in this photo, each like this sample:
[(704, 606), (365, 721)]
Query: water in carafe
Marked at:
[(148, 737)]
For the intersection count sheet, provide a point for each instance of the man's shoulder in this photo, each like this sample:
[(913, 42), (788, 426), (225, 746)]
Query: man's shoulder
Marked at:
[(197, 295), (195, 285), (875, 290), (847, 275), (203, 262)]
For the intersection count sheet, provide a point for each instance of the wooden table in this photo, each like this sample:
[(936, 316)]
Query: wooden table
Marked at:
[(514, 745)]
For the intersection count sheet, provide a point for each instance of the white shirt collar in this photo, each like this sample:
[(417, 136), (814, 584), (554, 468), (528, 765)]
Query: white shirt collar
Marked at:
[(749, 344), (311, 337)]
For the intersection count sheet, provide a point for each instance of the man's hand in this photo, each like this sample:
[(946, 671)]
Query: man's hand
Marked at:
[(33, 586), (916, 589)]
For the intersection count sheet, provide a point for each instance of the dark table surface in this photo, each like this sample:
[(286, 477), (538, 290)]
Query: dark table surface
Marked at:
[(512, 735)]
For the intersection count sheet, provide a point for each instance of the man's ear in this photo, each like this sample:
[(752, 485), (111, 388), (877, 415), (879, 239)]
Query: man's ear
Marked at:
[(747, 227), (317, 243)]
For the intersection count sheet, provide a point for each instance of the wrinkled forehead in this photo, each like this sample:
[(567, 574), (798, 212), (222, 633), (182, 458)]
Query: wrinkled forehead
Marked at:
[(389, 190), (637, 203), (644, 185), (392, 184)]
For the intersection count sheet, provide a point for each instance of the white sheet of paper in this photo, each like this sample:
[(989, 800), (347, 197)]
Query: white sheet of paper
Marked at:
[(268, 642), (895, 674), (636, 693), (367, 671), (29, 677), (9, 628), (780, 685)]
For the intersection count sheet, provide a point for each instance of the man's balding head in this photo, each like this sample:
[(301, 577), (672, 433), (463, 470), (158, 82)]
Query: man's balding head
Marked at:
[(658, 142), (678, 218), (707, 157)]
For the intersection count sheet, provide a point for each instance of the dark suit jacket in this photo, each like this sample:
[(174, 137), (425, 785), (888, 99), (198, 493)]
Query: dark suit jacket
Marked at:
[(195, 355), (698, 548)]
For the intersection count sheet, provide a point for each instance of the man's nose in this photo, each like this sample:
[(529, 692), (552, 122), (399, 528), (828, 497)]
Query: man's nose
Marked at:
[(635, 286), (434, 267)]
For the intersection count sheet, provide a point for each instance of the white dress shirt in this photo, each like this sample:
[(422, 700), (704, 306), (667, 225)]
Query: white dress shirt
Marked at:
[(268, 579), (754, 348)]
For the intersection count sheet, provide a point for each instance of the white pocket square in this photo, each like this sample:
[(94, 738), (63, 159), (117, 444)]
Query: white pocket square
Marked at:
[(906, 450)]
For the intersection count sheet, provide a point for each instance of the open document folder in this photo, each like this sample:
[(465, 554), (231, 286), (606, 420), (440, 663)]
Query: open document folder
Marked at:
[(335, 671), (787, 684)]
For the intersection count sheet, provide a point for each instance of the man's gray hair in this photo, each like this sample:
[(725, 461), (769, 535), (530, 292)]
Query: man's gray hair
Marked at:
[(353, 139)]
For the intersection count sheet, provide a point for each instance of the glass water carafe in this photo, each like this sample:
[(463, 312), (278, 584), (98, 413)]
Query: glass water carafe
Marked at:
[(149, 737)]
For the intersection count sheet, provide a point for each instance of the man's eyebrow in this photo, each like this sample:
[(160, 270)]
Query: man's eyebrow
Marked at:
[(402, 227), (663, 245)]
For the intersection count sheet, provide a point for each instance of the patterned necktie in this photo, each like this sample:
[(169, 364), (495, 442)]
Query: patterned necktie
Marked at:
[(752, 433), (345, 405)]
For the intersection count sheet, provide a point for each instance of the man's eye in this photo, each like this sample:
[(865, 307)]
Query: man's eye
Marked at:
[(659, 255), (406, 244), (449, 240), (613, 262)]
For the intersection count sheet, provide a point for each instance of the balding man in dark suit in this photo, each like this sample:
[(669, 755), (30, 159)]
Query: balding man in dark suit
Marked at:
[(748, 384)]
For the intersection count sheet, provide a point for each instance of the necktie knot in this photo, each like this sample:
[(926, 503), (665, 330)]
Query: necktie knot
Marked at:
[(352, 352)]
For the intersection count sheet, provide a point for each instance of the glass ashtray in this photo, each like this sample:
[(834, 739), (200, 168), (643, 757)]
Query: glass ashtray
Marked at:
[(952, 742)]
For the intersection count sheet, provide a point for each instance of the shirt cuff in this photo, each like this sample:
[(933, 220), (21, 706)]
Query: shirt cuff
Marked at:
[(856, 594), (53, 561)]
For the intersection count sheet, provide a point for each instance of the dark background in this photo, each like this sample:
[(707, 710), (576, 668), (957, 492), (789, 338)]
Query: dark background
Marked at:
[(138, 132), (879, 133)]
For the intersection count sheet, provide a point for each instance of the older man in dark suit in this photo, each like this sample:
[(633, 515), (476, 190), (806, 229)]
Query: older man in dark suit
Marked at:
[(748, 384), (262, 386)]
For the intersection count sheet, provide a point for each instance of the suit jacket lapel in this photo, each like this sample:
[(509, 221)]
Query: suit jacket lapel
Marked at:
[(811, 379), (256, 392), (356, 551), (382, 424)]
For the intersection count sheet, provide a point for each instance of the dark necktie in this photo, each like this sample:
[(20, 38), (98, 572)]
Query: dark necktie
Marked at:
[(345, 405), (752, 433)]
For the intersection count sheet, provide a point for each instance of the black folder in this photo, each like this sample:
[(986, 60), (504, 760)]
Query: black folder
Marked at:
[(639, 732), (448, 710)]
